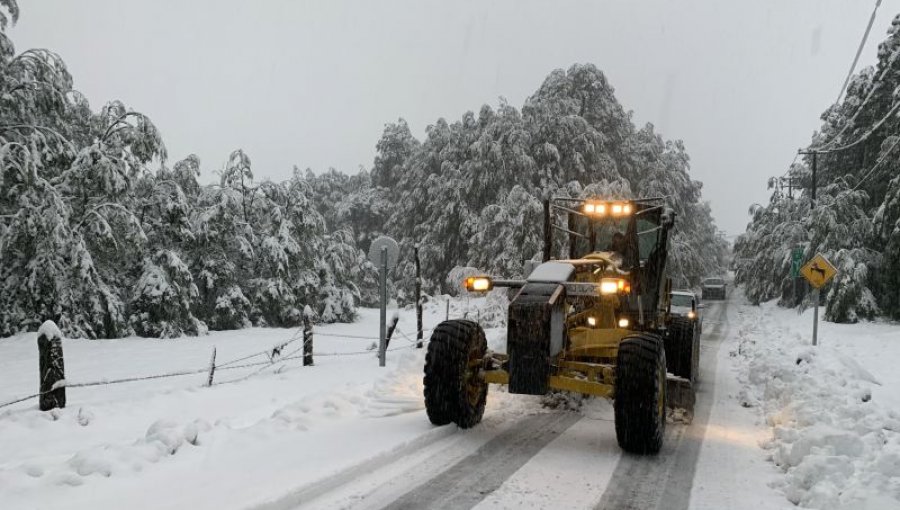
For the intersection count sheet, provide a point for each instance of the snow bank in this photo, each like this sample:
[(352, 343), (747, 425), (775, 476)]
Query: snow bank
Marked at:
[(837, 445)]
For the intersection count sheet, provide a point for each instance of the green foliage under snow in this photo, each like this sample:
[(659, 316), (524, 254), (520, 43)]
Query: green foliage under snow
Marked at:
[(856, 219)]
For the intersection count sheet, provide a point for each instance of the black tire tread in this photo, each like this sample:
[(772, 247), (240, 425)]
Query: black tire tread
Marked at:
[(640, 363), (448, 349), (682, 348)]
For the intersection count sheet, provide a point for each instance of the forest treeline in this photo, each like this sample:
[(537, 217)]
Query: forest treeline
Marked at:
[(855, 221), (102, 232)]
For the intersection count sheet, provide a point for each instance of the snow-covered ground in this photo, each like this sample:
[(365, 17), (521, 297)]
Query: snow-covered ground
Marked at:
[(776, 421), (173, 443), (832, 411)]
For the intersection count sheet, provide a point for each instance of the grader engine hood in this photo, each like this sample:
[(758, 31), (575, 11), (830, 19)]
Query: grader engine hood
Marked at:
[(540, 320)]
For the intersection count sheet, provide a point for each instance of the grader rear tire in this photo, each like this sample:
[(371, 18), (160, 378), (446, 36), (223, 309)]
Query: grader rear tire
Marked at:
[(454, 389), (640, 399)]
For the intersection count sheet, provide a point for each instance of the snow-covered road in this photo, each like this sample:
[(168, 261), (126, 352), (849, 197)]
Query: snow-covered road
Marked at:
[(348, 434), (541, 458)]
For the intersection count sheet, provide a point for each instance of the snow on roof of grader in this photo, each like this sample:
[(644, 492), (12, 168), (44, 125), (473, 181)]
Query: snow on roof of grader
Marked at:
[(552, 272), (49, 330)]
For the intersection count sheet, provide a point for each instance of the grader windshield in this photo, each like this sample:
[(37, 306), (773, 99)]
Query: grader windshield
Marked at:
[(630, 228)]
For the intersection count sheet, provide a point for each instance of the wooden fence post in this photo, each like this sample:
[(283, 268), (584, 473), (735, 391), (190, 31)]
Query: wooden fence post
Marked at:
[(212, 367), (307, 337), (51, 366), (418, 299)]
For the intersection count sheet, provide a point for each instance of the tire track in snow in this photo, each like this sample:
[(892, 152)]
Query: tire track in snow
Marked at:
[(307, 493), (471, 479), (664, 481), (442, 464)]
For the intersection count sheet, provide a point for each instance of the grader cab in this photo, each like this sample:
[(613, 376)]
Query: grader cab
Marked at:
[(595, 322)]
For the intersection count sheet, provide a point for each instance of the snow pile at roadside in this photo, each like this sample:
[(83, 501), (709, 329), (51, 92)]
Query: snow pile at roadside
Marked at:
[(838, 447)]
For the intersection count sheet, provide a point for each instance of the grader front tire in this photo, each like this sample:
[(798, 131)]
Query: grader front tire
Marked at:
[(454, 389), (640, 398)]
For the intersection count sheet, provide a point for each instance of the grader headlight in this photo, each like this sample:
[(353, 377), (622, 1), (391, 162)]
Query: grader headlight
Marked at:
[(604, 208), (610, 286), (479, 284)]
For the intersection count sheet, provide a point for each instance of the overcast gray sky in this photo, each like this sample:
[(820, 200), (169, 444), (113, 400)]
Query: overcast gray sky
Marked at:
[(313, 83)]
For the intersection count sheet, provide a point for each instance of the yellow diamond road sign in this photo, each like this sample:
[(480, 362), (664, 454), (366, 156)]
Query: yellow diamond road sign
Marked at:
[(818, 271)]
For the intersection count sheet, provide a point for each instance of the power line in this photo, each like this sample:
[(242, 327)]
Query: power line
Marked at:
[(864, 136), (824, 148), (858, 51), (875, 85), (876, 165)]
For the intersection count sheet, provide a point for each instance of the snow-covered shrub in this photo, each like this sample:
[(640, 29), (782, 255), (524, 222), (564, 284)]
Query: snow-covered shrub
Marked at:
[(161, 302), (456, 278), (507, 234), (849, 298), (495, 310), (273, 303), (232, 310), (337, 304)]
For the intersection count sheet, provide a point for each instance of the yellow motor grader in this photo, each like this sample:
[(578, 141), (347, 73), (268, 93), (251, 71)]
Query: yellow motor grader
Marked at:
[(594, 322)]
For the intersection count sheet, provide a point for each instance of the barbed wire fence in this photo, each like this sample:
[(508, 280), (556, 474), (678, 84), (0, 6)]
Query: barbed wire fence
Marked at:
[(274, 358)]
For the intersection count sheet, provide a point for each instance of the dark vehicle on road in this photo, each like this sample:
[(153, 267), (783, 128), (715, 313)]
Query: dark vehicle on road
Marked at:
[(713, 288)]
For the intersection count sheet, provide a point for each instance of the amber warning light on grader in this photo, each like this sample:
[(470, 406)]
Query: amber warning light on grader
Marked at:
[(605, 208), (479, 284), (614, 286)]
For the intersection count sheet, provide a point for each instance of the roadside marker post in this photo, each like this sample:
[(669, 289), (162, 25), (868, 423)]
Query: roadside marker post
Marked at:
[(383, 253), (818, 271)]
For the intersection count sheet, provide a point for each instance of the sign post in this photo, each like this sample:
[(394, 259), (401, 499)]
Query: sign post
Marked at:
[(382, 343), (817, 272), (383, 253)]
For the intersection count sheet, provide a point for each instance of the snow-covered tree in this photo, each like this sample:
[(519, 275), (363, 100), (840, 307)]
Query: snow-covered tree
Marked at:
[(507, 234), (162, 299)]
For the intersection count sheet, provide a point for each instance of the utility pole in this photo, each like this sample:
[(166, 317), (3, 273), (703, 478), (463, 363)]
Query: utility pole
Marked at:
[(791, 184), (814, 154), (812, 193)]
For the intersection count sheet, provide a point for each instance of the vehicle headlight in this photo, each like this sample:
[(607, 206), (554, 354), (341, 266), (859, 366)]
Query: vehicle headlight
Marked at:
[(592, 321), (614, 285), (479, 284), (623, 322), (602, 208), (692, 315), (609, 286)]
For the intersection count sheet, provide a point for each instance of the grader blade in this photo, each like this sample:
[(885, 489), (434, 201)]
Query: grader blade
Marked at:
[(680, 396)]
